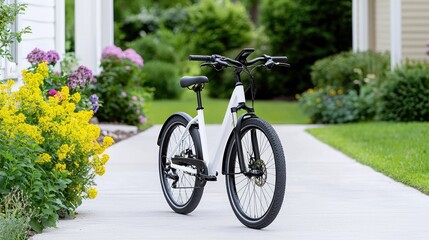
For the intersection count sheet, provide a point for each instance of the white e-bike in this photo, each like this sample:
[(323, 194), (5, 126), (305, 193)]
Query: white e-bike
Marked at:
[(252, 156)]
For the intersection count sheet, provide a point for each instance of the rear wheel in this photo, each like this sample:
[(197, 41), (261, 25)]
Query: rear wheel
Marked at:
[(256, 197), (182, 190)]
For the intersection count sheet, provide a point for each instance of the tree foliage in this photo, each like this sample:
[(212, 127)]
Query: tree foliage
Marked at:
[(305, 31)]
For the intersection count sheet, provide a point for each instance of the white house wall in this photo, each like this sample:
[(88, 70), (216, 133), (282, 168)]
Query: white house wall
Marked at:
[(42, 16)]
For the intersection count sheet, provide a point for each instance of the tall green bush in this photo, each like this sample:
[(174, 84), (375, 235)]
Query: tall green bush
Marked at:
[(216, 27), (305, 30), (164, 78), (404, 95)]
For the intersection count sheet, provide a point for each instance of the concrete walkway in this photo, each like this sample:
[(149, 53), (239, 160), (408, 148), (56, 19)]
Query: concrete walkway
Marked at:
[(328, 196)]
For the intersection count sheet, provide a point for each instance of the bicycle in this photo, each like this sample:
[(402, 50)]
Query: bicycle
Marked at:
[(252, 155)]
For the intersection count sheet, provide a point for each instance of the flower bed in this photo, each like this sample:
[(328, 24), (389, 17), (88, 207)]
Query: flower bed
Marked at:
[(48, 146)]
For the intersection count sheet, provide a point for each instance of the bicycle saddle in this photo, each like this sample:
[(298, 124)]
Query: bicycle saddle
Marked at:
[(188, 81)]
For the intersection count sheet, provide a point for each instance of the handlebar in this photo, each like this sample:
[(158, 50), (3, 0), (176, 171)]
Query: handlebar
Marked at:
[(220, 62), (200, 58)]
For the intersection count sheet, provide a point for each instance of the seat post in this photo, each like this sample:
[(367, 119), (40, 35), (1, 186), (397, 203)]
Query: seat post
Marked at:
[(197, 89)]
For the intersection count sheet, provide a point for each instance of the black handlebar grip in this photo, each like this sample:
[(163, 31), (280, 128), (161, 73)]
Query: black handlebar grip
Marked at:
[(279, 58), (203, 58)]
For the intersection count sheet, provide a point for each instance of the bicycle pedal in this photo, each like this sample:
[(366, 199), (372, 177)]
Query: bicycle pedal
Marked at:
[(210, 178)]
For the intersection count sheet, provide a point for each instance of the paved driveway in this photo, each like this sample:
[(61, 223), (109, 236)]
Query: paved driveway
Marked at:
[(328, 196)]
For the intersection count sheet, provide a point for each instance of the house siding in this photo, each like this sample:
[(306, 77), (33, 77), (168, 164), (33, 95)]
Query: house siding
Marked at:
[(415, 29), (382, 25)]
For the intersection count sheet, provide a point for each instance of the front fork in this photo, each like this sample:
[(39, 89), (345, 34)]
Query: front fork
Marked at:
[(237, 137)]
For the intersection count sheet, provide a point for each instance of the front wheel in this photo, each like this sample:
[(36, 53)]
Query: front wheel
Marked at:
[(257, 195)]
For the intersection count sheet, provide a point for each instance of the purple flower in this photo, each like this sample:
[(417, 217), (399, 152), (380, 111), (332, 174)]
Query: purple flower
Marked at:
[(112, 52), (93, 98), (80, 77), (36, 56), (123, 94), (134, 98), (142, 119), (94, 101), (133, 56), (51, 57)]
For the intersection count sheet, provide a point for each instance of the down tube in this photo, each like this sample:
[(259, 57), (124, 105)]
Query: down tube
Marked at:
[(229, 122)]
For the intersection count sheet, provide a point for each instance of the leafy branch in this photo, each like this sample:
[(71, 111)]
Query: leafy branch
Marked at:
[(8, 13)]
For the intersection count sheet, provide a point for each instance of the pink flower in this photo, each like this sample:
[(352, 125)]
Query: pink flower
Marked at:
[(124, 94), (112, 52), (142, 119), (52, 92), (133, 56), (134, 98)]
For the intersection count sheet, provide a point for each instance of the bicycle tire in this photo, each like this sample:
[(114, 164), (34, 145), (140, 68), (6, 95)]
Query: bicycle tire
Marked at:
[(256, 201), (189, 189)]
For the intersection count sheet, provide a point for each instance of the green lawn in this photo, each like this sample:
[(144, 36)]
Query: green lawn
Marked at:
[(275, 112), (398, 150)]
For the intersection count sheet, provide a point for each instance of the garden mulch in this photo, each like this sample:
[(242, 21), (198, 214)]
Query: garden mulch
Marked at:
[(328, 196)]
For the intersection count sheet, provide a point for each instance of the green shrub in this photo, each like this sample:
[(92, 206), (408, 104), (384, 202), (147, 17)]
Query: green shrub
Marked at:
[(18, 170), (404, 95), (152, 48), (349, 70), (121, 87), (305, 32), (330, 105), (216, 27), (150, 20), (164, 78)]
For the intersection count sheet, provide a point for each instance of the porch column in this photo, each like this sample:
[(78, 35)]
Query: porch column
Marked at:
[(360, 25), (93, 30)]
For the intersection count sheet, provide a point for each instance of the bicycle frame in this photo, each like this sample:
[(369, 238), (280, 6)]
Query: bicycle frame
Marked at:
[(228, 124)]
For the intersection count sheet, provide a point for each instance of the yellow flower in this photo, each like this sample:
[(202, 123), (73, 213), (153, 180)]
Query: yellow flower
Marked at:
[(43, 69), (340, 91), (62, 152), (108, 141), (44, 158), (311, 91), (60, 167), (100, 170), (105, 158), (332, 92), (92, 193), (76, 97), (65, 93), (9, 83)]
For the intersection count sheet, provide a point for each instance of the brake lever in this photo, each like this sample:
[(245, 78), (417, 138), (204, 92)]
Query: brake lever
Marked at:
[(281, 64), (207, 64)]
